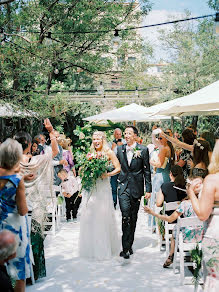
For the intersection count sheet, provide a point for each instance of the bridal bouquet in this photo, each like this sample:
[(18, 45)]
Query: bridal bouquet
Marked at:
[(94, 165)]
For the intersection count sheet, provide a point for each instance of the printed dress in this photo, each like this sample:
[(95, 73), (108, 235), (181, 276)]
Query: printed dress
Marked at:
[(19, 267), (210, 248), (190, 234)]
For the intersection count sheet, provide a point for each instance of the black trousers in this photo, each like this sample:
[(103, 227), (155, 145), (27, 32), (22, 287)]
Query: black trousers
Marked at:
[(129, 207), (72, 205)]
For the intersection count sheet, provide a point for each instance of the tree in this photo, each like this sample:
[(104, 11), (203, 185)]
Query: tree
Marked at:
[(193, 58), (51, 41)]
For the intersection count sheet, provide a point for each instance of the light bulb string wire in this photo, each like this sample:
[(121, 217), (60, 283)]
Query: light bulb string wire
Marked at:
[(117, 30)]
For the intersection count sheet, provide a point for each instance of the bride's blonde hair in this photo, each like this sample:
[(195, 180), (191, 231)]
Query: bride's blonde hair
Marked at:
[(105, 148)]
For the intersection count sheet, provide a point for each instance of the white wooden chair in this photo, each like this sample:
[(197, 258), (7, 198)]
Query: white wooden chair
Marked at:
[(171, 206), (184, 248), (31, 252), (51, 213), (60, 207)]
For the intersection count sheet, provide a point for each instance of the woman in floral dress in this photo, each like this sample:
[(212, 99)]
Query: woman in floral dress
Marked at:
[(207, 208), (13, 209), (189, 234)]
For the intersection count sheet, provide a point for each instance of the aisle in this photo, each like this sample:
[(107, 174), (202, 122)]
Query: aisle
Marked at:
[(66, 272)]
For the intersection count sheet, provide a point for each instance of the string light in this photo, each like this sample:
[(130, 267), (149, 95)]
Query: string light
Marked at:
[(117, 30)]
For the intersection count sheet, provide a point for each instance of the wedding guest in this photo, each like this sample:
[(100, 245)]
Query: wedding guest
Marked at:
[(165, 159), (113, 179), (70, 191), (8, 247), (188, 137), (13, 209), (58, 161), (189, 234), (169, 191), (194, 129), (207, 208), (200, 160), (210, 137), (67, 154), (39, 184), (35, 150)]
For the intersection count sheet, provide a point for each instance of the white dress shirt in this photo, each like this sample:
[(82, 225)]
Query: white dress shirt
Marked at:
[(129, 151)]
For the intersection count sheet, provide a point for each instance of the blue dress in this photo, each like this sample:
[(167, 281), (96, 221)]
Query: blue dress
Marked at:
[(161, 176), (19, 267)]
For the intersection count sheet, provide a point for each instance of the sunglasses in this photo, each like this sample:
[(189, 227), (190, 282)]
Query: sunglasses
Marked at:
[(160, 138)]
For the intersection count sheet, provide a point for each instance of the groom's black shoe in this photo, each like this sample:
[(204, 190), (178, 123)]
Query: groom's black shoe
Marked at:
[(130, 251), (125, 255)]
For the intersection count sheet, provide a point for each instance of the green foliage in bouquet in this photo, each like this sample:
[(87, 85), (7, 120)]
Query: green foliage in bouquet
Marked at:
[(196, 255), (92, 166)]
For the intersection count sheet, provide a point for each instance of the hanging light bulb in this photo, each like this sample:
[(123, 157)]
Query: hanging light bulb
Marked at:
[(116, 39)]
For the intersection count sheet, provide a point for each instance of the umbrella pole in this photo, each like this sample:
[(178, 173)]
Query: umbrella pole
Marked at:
[(172, 124)]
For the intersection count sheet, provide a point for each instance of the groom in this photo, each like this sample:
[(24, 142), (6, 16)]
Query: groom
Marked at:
[(135, 168)]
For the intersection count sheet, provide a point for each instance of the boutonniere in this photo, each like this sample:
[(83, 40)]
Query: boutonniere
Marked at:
[(136, 152)]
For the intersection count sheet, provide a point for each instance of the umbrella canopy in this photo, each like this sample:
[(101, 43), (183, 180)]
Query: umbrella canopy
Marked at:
[(8, 111), (202, 102), (131, 112)]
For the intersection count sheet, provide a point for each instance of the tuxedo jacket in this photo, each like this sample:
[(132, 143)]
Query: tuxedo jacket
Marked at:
[(137, 174)]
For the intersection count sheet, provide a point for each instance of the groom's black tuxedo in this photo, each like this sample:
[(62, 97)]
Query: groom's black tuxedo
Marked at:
[(134, 175), (131, 188)]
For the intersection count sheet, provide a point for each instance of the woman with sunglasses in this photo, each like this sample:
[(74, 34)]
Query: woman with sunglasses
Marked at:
[(165, 159)]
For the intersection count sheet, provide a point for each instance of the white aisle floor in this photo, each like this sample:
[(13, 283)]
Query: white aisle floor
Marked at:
[(143, 272)]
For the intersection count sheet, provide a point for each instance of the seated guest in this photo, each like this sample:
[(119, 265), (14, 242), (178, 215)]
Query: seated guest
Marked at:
[(70, 190), (170, 191), (8, 246), (185, 209)]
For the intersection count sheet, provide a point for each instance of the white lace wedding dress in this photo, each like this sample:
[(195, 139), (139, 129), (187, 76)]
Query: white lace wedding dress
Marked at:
[(98, 230)]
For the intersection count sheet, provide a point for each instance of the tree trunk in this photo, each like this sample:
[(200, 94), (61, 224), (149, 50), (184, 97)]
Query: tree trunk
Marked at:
[(172, 124), (195, 121), (183, 123), (49, 82)]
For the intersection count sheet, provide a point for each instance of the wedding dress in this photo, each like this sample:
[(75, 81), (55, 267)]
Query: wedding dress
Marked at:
[(98, 230)]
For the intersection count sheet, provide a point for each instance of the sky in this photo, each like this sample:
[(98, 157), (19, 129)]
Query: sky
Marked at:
[(162, 10)]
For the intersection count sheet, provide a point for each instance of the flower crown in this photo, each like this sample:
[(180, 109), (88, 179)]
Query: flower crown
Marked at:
[(198, 144)]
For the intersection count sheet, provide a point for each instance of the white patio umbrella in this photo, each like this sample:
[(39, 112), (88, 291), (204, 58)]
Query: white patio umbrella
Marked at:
[(131, 112), (202, 102)]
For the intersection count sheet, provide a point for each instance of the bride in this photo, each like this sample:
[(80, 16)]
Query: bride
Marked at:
[(98, 231)]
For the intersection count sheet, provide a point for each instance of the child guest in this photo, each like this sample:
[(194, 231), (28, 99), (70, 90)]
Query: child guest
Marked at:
[(70, 191)]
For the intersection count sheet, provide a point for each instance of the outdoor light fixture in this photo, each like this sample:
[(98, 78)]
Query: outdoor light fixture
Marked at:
[(116, 39), (100, 89), (217, 23), (136, 91), (56, 71)]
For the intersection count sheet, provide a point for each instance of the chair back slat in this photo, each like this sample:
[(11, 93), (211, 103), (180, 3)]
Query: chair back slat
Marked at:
[(171, 206), (189, 222)]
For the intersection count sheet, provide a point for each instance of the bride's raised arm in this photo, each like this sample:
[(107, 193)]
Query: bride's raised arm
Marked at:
[(115, 162)]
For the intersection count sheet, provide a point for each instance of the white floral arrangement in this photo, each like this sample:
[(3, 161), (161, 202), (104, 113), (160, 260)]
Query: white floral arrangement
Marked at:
[(136, 152), (198, 144)]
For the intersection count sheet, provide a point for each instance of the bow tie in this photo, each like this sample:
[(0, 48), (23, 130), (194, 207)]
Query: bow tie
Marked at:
[(129, 148)]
